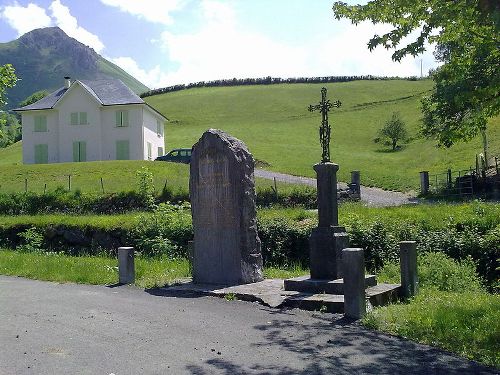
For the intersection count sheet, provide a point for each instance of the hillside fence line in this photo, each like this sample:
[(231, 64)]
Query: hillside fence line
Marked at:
[(270, 81)]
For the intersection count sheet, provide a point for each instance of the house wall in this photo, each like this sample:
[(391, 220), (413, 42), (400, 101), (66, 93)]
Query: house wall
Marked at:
[(77, 99), (111, 133), (150, 133), (31, 138), (100, 134)]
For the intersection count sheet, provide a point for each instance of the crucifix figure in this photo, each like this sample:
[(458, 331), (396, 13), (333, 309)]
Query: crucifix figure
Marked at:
[(324, 130)]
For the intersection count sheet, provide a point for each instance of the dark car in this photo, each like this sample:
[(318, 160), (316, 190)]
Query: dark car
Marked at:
[(178, 155)]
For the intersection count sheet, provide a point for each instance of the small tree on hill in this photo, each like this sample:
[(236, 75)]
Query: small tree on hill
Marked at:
[(394, 130)]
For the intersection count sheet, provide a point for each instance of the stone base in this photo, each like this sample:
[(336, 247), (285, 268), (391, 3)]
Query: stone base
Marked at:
[(306, 284), (325, 252)]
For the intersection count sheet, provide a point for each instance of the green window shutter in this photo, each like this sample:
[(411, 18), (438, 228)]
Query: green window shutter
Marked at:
[(150, 151), (83, 118), (118, 118), (83, 151), (122, 150), (41, 154), (74, 118), (37, 123), (160, 151), (40, 123), (76, 151), (79, 151), (125, 118)]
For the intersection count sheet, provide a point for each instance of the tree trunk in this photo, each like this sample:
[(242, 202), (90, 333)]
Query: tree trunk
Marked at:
[(485, 147), (394, 142)]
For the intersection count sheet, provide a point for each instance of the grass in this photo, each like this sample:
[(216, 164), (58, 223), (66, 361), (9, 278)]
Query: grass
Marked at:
[(432, 216), (89, 270), (102, 270), (274, 123), (451, 311), (118, 175), (466, 323)]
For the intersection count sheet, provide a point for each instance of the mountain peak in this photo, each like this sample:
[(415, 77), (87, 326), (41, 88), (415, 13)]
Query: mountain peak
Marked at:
[(42, 57)]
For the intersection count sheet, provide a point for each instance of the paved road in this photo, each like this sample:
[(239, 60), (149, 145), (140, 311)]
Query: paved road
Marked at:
[(371, 196), (50, 328)]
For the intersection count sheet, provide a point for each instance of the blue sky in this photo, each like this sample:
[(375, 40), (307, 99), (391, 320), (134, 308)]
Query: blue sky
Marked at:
[(167, 42)]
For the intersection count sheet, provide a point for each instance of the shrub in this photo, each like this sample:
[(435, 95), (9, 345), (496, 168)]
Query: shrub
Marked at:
[(31, 240)]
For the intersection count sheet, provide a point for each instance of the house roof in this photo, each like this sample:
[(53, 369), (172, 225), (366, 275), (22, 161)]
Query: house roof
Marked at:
[(105, 91)]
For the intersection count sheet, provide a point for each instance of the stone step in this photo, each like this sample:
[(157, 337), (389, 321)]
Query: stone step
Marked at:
[(270, 292), (305, 284)]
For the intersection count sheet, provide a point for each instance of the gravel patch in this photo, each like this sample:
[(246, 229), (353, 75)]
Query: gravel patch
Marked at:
[(371, 196)]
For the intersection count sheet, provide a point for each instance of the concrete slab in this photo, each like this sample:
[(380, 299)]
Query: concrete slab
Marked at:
[(271, 292), (306, 284)]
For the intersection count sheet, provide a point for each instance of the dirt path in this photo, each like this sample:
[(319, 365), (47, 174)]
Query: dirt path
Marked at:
[(371, 196)]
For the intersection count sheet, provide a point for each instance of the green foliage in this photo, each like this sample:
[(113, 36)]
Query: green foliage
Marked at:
[(394, 130), (10, 130), (33, 98), (466, 32), (164, 232), (146, 187), (451, 310), (32, 240), (8, 80), (438, 271)]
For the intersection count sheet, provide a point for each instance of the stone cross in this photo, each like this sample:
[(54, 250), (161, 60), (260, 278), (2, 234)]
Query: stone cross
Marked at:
[(324, 130)]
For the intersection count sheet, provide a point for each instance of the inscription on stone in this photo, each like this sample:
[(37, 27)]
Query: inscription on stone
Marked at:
[(226, 245)]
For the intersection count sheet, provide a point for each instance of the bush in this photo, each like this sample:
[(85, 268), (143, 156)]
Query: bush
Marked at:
[(438, 271), (31, 240), (166, 232)]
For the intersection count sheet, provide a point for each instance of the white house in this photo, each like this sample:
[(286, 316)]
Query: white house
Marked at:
[(91, 120)]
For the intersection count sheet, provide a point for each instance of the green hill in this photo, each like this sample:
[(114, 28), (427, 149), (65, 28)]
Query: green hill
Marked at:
[(280, 132), (43, 57), (275, 124)]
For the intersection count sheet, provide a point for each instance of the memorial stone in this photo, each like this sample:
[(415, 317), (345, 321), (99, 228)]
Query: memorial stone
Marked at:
[(227, 249)]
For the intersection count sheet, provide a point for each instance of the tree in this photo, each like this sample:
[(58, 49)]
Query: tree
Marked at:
[(8, 80), (10, 130), (466, 33), (36, 96), (394, 129)]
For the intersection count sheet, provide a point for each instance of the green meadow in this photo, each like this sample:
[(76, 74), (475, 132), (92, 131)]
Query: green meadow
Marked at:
[(280, 132)]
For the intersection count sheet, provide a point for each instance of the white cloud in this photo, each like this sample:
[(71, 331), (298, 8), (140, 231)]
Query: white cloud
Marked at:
[(221, 49), (24, 19), (157, 11), (151, 78), (63, 18)]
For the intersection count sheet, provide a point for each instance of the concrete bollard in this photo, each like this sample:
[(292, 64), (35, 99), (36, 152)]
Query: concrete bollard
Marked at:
[(408, 262), (354, 282), (424, 182), (126, 266)]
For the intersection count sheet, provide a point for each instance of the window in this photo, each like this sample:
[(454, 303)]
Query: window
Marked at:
[(41, 154), (122, 150), (79, 151), (78, 118), (41, 123), (150, 151), (159, 128), (160, 151), (121, 118)]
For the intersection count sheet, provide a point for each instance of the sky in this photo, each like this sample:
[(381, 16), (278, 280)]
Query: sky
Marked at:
[(168, 42)]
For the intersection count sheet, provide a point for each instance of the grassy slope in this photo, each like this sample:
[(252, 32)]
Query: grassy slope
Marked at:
[(275, 124), (117, 175)]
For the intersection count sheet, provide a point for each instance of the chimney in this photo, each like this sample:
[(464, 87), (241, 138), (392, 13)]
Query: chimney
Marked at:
[(68, 82)]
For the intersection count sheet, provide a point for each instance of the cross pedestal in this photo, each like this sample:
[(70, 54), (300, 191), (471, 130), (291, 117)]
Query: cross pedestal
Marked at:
[(329, 239)]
